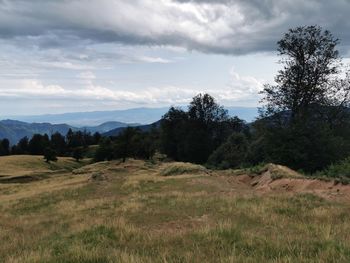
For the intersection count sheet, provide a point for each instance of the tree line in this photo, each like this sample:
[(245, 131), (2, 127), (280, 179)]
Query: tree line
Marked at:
[(304, 120), (188, 136), (131, 142), (72, 144)]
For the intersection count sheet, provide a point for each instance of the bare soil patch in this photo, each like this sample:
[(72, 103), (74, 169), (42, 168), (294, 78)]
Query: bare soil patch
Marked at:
[(280, 179)]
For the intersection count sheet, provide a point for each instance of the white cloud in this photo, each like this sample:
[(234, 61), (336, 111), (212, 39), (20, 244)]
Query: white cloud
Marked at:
[(51, 50), (244, 86), (86, 75), (240, 89), (154, 60), (234, 27), (32, 88), (61, 65)]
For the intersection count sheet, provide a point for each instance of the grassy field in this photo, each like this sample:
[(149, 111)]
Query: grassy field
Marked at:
[(170, 212), (23, 165)]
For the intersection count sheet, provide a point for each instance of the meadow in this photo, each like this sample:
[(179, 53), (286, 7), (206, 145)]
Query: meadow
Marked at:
[(164, 212)]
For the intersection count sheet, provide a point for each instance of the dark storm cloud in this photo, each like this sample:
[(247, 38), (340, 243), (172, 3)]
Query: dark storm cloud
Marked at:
[(211, 26)]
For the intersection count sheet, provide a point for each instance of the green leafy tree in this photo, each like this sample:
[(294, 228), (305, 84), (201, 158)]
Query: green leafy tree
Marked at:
[(310, 60), (173, 132), (130, 143), (38, 144), (4, 147), (123, 146), (78, 153), (231, 154), (104, 151), (75, 139), (58, 142), (143, 144), (305, 121), (22, 146), (193, 135), (96, 137), (50, 155)]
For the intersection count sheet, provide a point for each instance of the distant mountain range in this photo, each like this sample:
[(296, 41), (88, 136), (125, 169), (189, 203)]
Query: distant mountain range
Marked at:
[(106, 126), (109, 123), (15, 130), (137, 115), (117, 131)]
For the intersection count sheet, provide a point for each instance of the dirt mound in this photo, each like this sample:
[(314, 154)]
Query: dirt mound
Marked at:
[(280, 179), (270, 173)]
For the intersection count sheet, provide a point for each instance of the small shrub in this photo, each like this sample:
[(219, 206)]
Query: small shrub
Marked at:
[(339, 170), (257, 169), (50, 155), (78, 153), (182, 168)]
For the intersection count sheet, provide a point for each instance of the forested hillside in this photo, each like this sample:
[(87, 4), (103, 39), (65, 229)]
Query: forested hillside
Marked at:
[(16, 130)]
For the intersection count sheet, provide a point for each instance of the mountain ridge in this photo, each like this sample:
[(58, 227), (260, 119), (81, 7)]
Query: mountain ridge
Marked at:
[(142, 116), (14, 130)]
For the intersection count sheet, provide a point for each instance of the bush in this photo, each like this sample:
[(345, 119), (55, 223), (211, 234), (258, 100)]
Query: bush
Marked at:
[(231, 154), (181, 168), (78, 153), (104, 151), (310, 145), (258, 169), (338, 170), (50, 155)]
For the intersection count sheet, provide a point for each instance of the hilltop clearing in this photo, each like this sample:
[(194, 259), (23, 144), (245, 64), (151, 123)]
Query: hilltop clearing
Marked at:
[(26, 168), (171, 212)]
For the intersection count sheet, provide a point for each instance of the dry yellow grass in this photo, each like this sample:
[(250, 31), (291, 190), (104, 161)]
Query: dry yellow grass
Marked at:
[(134, 214), (177, 168), (20, 165)]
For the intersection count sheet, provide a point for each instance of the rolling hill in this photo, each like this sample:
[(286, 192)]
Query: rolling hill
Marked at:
[(15, 130), (167, 212), (137, 115), (107, 126), (95, 118), (109, 123), (115, 132)]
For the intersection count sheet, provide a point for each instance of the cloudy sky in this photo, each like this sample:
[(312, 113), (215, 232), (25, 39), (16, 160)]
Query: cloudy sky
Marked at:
[(83, 55)]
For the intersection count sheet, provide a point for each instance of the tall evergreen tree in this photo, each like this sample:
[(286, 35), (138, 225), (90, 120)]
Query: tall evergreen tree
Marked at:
[(4, 147), (78, 153), (123, 147), (22, 145), (58, 143), (38, 144)]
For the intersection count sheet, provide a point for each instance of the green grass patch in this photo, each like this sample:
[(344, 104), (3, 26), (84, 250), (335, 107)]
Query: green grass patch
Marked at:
[(96, 236), (182, 168), (339, 172)]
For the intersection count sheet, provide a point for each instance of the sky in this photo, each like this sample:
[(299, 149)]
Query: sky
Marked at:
[(61, 56)]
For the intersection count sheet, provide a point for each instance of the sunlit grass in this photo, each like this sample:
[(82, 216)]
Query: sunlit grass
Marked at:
[(137, 215)]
